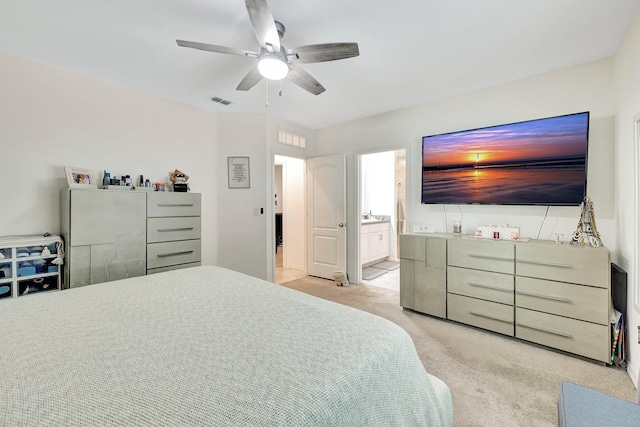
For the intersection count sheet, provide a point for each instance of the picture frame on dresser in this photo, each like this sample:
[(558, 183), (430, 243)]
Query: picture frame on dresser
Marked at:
[(80, 177), (239, 172)]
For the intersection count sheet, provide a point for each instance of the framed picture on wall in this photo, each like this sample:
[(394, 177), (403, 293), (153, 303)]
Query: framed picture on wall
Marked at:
[(80, 178), (239, 172)]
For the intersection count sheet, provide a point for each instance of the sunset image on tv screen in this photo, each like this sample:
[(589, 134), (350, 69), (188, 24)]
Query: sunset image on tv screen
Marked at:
[(539, 162)]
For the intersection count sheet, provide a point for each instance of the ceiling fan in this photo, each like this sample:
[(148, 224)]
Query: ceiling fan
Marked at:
[(275, 62)]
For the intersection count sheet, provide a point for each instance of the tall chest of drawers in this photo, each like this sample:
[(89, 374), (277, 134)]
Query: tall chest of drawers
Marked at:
[(173, 231)]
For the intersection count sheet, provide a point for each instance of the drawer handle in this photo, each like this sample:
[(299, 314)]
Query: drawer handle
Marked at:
[(495, 288), (162, 230), (475, 313), (497, 258), (548, 264), (174, 254), (164, 205), (548, 331), (549, 297)]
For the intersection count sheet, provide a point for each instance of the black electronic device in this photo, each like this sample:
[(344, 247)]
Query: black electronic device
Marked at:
[(619, 289), (180, 187)]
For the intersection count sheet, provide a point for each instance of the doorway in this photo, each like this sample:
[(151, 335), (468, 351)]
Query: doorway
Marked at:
[(289, 221), (382, 206)]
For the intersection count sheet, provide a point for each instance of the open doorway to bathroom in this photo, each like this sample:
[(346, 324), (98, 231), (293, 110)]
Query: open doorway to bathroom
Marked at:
[(382, 206), (289, 211)]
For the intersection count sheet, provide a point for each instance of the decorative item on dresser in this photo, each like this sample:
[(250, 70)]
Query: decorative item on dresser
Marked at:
[(555, 295), (586, 231), (80, 178), (179, 180), (107, 233), (30, 264)]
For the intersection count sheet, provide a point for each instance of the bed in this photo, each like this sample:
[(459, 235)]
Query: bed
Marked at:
[(208, 346)]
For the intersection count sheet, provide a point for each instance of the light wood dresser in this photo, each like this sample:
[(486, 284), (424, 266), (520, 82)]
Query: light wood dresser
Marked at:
[(173, 231), (556, 295), (115, 234)]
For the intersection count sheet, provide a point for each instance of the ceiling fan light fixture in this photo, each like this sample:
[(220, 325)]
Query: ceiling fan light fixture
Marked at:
[(273, 67)]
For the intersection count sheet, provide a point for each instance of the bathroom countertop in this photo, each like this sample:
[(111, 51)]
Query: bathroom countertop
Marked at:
[(373, 221)]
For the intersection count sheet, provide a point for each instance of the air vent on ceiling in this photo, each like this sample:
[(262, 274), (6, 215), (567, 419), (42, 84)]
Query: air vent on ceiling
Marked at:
[(220, 100)]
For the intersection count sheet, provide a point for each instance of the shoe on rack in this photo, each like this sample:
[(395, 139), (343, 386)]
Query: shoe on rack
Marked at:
[(22, 252), (35, 251)]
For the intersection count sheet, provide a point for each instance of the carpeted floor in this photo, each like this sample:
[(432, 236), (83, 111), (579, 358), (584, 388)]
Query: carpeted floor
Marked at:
[(494, 381)]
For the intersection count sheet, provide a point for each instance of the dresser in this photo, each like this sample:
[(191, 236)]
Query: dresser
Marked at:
[(105, 235), (556, 295), (173, 231), (423, 274), (113, 235), (563, 298), (480, 284)]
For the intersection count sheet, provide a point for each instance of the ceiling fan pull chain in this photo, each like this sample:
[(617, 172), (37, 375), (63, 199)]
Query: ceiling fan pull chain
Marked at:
[(280, 91), (266, 93)]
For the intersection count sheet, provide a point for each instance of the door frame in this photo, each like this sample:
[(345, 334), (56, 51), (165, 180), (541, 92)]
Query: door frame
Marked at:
[(636, 243), (271, 231), (355, 217)]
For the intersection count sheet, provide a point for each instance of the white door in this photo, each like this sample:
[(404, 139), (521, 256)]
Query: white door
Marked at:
[(326, 216)]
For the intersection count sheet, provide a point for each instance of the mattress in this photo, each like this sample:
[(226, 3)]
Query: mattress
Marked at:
[(207, 346)]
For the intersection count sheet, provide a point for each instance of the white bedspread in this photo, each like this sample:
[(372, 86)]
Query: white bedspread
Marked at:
[(210, 347)]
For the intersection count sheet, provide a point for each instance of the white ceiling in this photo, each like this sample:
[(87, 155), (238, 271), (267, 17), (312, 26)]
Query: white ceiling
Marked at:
[(411, 51)]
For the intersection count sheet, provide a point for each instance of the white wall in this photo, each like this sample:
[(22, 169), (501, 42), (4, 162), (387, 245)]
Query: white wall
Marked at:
[(242, 242), (378, 179), (587, 87), (295, 241), (627, 90), (378, 191), (51, 118), (246, 240)]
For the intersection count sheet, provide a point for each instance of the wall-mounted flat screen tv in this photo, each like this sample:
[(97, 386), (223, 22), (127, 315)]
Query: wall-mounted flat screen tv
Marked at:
[(537, 162)]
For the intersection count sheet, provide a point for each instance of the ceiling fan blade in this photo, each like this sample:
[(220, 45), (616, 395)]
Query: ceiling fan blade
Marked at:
[(322, 52), (303, 79), (250, 80), (216, 48), (263, 23)]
